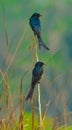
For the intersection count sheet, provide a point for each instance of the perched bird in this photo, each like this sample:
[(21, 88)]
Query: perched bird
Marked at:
[(36, 76), (36, 27)]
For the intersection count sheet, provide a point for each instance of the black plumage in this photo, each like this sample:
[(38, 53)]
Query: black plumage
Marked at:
[(35, 24), (36, 76)]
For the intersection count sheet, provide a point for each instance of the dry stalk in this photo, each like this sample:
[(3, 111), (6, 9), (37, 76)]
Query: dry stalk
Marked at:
[(33, 109), (55, 123), (39, 100), (46, 110), (21, 118)]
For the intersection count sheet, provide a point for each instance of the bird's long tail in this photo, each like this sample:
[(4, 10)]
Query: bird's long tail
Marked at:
[(41, 43), (30, 93)]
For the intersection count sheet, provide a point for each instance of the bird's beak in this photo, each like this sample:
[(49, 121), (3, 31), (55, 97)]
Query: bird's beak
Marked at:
[(44, 64), (41, 15)]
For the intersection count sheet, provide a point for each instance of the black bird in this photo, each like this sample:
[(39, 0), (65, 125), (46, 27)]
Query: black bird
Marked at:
[(36, 76), (36, 27)]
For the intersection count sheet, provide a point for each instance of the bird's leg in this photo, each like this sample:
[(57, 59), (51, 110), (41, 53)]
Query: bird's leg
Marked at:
[(38, 82)]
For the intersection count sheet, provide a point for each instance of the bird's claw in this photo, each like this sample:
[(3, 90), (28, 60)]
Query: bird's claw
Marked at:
[(38, 82)]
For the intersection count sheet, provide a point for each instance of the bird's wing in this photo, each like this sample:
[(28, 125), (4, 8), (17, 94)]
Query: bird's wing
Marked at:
[(37, 27), (37, 30), (36, 75), (35, 24)]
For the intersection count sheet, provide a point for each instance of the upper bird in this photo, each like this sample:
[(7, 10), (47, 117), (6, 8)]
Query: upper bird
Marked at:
[(36, 76), (35, 24)]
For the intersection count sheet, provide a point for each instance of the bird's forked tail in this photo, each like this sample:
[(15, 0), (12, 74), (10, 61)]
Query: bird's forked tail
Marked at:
[(41, 43), (30, 93)]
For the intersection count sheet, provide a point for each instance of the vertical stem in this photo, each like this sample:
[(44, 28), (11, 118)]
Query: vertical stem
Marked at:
[(21, 118), (33, 113), (39, 103), (39, 100), (55, 123), (37, 58)]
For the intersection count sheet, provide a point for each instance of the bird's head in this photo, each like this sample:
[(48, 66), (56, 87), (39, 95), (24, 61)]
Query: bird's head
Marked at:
[(39, 64), (37, 15)]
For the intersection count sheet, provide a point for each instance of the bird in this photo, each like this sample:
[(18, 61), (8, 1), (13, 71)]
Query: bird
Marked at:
[(37, 73), (35, 24)]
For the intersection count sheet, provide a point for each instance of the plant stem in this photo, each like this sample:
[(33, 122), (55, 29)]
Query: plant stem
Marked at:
[(39, 100)]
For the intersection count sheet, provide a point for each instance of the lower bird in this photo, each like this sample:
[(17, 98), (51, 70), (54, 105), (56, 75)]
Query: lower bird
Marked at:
[(35, 24), (36, 76)]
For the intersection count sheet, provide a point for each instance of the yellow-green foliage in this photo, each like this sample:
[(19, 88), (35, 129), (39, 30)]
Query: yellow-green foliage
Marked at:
[(28, 122), (68, 128)]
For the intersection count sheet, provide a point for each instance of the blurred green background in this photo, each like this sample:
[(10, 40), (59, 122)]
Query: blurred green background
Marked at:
[(56, 28)]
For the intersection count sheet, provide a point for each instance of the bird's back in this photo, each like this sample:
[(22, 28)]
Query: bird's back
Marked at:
[(35, 24), (36, 75)]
